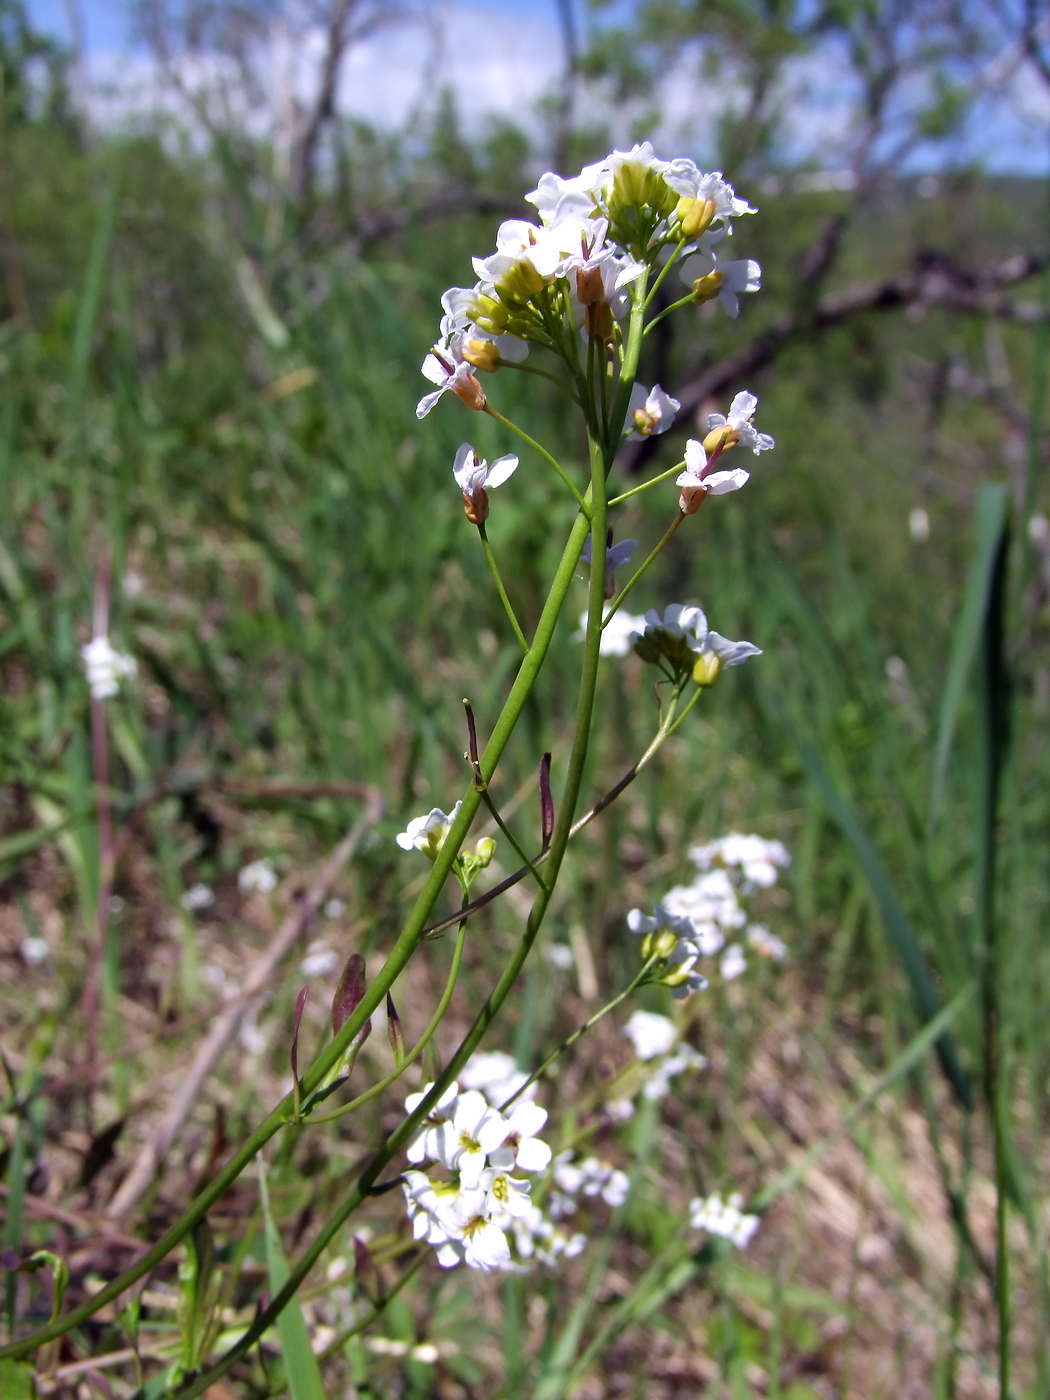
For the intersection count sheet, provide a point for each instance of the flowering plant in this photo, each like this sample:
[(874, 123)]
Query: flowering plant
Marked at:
[(581, 288)]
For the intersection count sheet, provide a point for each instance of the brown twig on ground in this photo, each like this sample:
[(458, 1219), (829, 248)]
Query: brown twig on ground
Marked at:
[(88, 1225), (154, 1151)]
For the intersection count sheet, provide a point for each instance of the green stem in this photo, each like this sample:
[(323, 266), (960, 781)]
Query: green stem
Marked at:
[(344, 1337), (420, 1045), (504, 599), (495, 413), (617, 602), (663, 273), (533, 369), (675, 305), (637, 490), (499, 994), (406, 944), (580, 1031)]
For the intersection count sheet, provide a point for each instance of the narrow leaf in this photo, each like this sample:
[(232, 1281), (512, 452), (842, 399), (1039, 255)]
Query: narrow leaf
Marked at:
[(395, 1031), (303, 1372), (348, 994), (300, 1002), (894, 919), (992, 504)]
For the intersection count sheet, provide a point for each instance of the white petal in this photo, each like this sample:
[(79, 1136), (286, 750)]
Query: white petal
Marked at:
[(501, 469), (533, 1155), (718, 483), (464, 465), (427, 402)]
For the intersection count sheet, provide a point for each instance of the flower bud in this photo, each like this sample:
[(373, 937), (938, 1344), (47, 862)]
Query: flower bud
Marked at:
[(470, 391), (691, 499), (476, 505), (707, 288), (662, 943), (695, 215), (590, 287), (598, 321), (482, 354), (484, 851), (720, 439), (707, 667)]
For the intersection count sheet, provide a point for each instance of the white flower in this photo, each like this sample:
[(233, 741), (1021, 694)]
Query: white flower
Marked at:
[(619, 1110), (520, 1146), (428, 1141), (334, 908), (259, 877), (466, 341), (451, 374), (105, 667), (505, 1195), (650, 1034), (681, 628), (682, 636), (723, 1218), (698, 480), (34, 951), (616, 555), (474, 1237), (733, 962), (757, 858), (685, 1057), (496, 1074), (473, 1132), (475, 478), (198, 897), (766, 944), (427, 834), (711, 906), (560, 955), (320, 960), (713, 197), (599, 1179), (710, 278), (618, 634), (556, 197), (632, 167), (650, 411), (726, 432)]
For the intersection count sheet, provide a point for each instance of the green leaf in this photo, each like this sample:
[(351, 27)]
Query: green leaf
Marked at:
[(894, 919), (16, 1381), (992, 504), (304, 1374)]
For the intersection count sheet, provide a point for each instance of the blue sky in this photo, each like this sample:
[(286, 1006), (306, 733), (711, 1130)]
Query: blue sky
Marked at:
[(505, 67)]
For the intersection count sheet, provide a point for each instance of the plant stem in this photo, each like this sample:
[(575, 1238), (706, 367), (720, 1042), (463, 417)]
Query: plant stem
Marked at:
[(504, 599), (580, 1031), (637, 490), (495, 413), (421, 1043), (617, 602)]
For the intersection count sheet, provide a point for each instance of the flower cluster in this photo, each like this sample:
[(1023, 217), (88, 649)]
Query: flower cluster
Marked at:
[(105, 667), (681, 643), (723, 1218), (656, 1042), (572, 272), (466, 1217), (710, 914)]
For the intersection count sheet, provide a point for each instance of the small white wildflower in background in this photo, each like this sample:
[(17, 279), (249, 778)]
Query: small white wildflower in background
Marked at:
[(105, 668), (34, 951), (198, 897), (723, 1218), (259, 877), (758, 859), (334, 908), (619, 1110), (733, 962), (427, 834), (766, 944), (320, 960), (919, 525), (616, 555), (650, 1034), (251, 1035), (496, 1074), (559, 955), (663, 1071), (618, 634)]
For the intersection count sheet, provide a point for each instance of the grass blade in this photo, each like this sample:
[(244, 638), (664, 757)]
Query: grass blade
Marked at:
[(303, 1372), (991, 523)]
